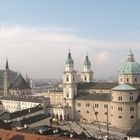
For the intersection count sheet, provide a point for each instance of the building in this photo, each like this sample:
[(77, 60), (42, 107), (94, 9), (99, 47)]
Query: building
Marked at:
[(82, 99), (17, 103), (115, 103), (30, 117), (18, 87)]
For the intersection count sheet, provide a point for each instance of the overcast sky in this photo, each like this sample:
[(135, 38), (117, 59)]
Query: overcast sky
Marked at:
[(35, 35)]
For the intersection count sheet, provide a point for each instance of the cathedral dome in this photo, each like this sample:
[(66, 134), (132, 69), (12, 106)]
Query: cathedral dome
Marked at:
[(69, 60), (130, 66), (87, 62)]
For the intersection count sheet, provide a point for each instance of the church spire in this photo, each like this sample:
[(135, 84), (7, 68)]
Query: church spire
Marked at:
[(130, 56), (7, 65), (69, 60), (6, 79), (87, 62)]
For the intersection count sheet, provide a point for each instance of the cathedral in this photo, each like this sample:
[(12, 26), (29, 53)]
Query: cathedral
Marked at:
[(83, 100)]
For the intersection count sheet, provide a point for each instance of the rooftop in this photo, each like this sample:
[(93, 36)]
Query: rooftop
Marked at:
[(13, 115), (69, 60), (19, 83), (124, 87), (95, 85), (130, 66), (30, 120), (36, 99), (94, 96), (135, 130)]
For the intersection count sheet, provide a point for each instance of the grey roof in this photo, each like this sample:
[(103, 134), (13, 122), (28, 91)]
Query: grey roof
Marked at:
[(13, 115), (94, 96), (19, 83), (36, 99), (95, 85), (30, 120), (135, 131)]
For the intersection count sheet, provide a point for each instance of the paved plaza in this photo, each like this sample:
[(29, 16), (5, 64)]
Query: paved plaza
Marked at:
[(93, 130)]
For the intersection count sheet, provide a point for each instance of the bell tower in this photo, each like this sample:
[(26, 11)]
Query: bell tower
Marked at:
[(87, 74), (69, 84), (6, 79)]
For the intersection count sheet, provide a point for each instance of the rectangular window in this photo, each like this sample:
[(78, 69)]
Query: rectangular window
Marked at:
[(131, 108), (131, 98), (87, 104), (119, 108), (120, 98), (79, 104), (105, 106), (96, 105)]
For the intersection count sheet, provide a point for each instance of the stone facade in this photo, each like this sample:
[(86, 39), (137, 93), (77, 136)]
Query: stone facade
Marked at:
[(91, 102)]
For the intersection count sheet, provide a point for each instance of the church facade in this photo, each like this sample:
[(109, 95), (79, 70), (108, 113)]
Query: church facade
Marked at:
[(117, 103)]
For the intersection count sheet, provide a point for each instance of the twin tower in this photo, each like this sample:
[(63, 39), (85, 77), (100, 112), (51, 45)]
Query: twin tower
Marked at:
[(71, 79)]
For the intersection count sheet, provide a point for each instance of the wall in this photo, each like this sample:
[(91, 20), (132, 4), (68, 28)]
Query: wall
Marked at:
[(87, 113)]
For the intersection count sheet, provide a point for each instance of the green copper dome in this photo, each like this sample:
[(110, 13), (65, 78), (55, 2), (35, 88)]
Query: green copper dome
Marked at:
[(87, 62), (130, 66), (123, 87), (69, 60)]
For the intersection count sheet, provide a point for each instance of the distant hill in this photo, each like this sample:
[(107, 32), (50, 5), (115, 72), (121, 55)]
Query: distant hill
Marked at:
[(13, 76)]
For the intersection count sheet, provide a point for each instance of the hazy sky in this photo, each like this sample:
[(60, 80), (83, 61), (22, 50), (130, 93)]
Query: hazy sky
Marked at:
[(36, 35)]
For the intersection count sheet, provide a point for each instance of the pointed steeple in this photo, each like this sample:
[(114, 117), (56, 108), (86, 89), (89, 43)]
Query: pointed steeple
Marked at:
[(87, 62), (69, 60), (130, 56), (7, 65), (6, 79)]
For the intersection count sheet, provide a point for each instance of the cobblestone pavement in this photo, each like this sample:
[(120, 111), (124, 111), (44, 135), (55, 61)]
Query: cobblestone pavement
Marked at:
[(93, 130)]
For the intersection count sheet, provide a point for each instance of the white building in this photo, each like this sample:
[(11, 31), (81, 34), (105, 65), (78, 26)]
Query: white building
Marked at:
[(17, 103)]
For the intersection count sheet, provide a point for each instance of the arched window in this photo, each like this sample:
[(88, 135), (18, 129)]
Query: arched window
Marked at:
[(132, 117), (85, 78), (67, 78), (127, 79)]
